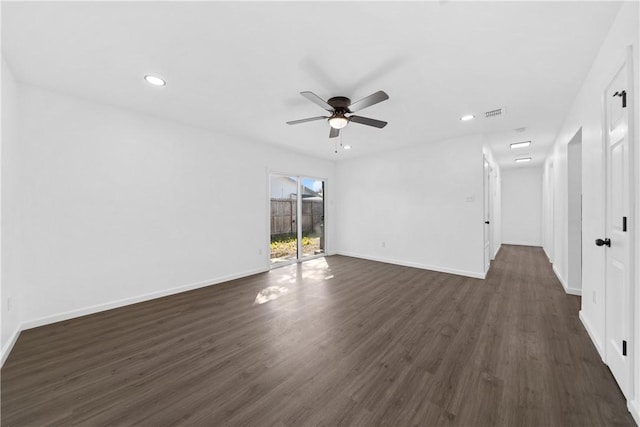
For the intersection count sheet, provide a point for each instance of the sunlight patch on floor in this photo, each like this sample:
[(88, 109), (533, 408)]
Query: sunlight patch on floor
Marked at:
[(269, 294), (313, 269)]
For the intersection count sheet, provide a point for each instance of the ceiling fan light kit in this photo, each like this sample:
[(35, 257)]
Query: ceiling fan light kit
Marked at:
[(338, 122), (339, 107)]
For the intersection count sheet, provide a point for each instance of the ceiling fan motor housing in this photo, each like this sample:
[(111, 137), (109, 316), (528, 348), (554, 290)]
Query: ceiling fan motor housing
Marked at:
[(340, 103)]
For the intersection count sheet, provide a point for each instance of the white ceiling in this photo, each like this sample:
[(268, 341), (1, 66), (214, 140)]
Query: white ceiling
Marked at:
[(238, 67)]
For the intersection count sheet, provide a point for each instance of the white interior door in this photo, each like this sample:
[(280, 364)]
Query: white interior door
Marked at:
[(617, 242), (494, 213), (487, 219)]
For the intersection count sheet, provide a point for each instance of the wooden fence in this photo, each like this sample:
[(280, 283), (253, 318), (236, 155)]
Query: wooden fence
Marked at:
[(283, 216)]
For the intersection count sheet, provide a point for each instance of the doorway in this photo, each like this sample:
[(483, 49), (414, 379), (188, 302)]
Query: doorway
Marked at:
[(297, 218), (487, 216), (574, 213)]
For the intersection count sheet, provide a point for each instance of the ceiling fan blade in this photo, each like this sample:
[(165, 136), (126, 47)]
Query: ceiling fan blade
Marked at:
[(317, 100), (334, 133), (367, 121), (311, 119), (370, 100)]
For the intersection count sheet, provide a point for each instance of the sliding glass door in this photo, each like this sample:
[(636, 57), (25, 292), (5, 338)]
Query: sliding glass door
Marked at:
[(296, 218)]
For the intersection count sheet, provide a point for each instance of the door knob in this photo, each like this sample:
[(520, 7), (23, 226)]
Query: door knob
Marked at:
[(605, 242), (487, 222)]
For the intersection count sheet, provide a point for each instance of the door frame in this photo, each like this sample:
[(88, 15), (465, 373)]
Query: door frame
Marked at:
[(574, 241), (627, 61), (495, 183), (487, 214), (551, 243), (298, 258)]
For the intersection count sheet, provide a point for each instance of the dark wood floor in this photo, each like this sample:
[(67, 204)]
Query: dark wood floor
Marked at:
[(346, 342)]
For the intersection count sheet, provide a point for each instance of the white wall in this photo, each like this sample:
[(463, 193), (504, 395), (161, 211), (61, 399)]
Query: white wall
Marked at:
[(586, 112), (118, 206), (521, 206), (11, 297), (419, 206), (283, 187)]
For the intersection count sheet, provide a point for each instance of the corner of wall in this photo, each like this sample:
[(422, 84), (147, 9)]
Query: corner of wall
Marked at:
[(10, 291), (634, 409), (11, 342), (563, 282), (594, 337), (495, 254)]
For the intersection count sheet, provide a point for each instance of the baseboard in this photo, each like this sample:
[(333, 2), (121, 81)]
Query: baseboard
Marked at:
[(495, 253), (592, 335), (46, 320), (535, 245), (547, 254), (567, 289), (9, 345), (471, 274), (634, 409)]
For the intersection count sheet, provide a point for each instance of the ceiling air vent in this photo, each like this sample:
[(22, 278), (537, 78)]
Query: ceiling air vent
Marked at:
[(494, 113)]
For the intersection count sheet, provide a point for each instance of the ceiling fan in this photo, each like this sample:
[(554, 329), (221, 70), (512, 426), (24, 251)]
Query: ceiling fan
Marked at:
[(339, 107)]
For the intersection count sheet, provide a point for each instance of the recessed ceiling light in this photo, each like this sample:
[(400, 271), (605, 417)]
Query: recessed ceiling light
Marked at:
[(520, 144), (524, 159), (347, 147), (467, 117), (154, 80)]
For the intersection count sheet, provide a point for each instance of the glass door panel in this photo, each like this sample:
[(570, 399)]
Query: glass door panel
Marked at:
[(312, 216), (284, 213)]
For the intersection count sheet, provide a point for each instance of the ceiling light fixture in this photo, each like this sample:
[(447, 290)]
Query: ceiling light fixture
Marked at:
[(467, 117), (520, 144), (347, 147), (338, 122), (524, 159), (155, 80), (339, 107)]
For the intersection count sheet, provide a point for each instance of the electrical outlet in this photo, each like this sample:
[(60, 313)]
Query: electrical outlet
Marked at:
[(383, 244), (260, 251)]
